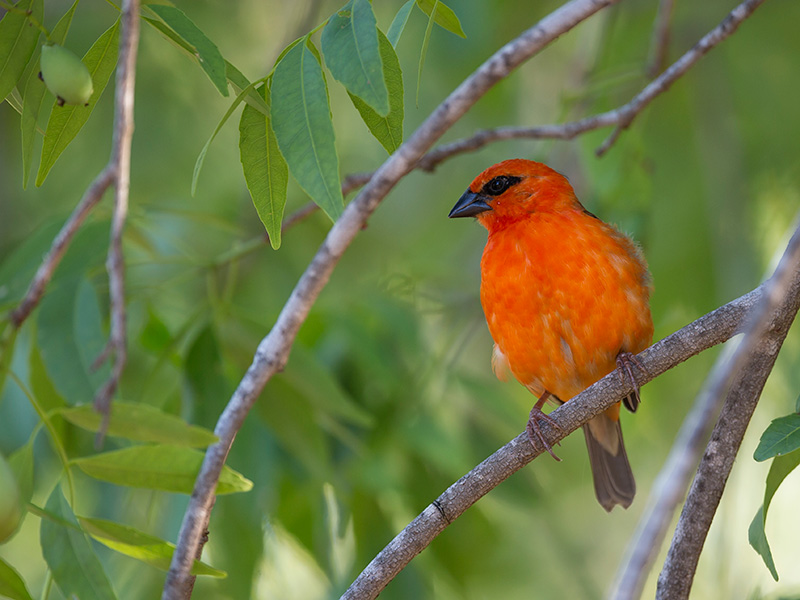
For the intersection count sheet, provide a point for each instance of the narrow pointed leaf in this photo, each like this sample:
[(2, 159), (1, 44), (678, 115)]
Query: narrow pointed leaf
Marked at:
[(399, 23), (301, 120), (387, 130), (198, 165), (265, 169), (778, 471), (139, 545), (141, 423), (70, 337), (18, 37), (34, 95), (758, 540), (350, 46), (11, 584), (445, 17), (425, 41), (158, 467), (207, 52), (71, 558), (66, 121), (240, 82), (781, 437)]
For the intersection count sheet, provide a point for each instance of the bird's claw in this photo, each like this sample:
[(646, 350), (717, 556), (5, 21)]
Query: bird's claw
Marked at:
[(624, 362), (534, 432)]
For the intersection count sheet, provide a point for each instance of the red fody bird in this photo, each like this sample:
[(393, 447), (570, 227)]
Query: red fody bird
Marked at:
[(566, 298)]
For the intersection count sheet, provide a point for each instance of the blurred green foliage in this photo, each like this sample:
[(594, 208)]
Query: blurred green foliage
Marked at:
[(388, 396)]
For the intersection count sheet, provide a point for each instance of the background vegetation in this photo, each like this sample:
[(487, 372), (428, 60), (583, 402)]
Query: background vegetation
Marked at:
[(388, 396)]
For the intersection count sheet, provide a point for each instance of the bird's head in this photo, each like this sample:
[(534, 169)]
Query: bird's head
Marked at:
[(513, 190)]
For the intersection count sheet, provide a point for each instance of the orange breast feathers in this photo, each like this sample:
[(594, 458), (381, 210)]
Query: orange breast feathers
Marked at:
[(563, 292)]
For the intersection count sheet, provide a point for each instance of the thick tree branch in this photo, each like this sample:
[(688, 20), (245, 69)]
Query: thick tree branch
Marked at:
[(707, 331), (743, 378), (273, 351), (116, 348), (676, 474)]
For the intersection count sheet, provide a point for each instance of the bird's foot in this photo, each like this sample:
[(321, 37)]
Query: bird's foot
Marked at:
[(534, 431), (625, 362)]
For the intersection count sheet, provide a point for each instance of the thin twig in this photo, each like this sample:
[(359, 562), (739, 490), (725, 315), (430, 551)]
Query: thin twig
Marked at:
[(707, 331), (726, 28), (116, 348), (273, 351), (93, 195), (659, 44), (744, 377), (674, 478)]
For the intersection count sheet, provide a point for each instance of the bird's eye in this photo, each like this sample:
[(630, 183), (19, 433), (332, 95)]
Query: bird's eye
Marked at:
[(499, 184)]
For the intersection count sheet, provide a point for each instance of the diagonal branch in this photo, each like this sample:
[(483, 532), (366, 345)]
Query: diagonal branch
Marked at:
[(743, 377), (93, 195), (273, 351), (707, 331), (675, 476)]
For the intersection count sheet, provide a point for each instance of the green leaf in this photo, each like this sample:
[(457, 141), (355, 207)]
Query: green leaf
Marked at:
[(70, 337), (69, 554), (758, 540), (781, 437), (425, 41), (21, 463), (399, 23), (34, 95), (198, 165), (158, 467), (444, 16), (207, 52), (66, 121), (301, 120), (8, 338), (778, 471), (41, 385), (350, 46), (139, 545), (11, 584), (265, 169), (18, 37), (141, 423), (387, 130), (310, 377), (240, 82), (21, 263)]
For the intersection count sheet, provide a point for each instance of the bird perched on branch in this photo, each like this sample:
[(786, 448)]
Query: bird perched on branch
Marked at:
[(566, 298)]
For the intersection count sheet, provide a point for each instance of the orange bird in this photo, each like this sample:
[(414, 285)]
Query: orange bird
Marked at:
[(566, 298)]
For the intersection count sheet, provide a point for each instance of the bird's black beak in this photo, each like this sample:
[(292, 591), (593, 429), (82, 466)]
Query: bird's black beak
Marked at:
[(469, 205)]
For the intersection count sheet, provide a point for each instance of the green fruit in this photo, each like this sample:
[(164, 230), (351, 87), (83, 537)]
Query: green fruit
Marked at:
[(66, 76), (10, 513)]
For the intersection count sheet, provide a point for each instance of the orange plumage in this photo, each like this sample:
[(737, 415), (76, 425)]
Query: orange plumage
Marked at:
[(566, 298)]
